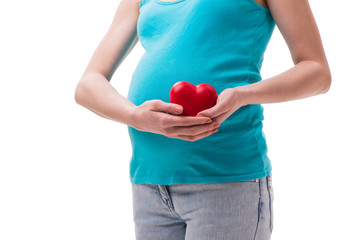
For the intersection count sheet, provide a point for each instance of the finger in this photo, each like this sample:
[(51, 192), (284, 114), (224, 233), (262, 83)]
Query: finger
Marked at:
[(212, 112), (193, 130), (222, 117), (197, 137), (173, 121), (160, 106)]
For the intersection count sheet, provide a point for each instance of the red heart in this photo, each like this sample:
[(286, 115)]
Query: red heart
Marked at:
[(192, 98)]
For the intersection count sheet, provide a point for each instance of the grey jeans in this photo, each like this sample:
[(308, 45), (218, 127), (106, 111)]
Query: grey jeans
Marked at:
[(206, 211)]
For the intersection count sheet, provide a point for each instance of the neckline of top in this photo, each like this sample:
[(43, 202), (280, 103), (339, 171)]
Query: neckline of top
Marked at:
[(168, 2)]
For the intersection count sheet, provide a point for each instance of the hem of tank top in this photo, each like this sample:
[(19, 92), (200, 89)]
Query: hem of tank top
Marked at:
[(168, 2), (207, 179), (259, 6)]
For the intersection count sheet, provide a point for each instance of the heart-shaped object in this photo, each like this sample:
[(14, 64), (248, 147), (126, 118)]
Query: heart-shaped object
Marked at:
[(192, 98)]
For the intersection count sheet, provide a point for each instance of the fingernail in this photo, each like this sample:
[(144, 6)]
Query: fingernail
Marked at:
[(178, 109)]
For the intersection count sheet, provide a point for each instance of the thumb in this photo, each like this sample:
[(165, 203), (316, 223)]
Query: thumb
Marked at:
[(204, 113)]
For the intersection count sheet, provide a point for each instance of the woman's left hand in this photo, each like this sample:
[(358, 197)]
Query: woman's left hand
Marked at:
[(227, 103)]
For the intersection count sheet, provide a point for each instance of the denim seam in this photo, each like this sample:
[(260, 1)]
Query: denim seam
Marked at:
[(270, 202), (259, 211), (169, 204), (162, 196)]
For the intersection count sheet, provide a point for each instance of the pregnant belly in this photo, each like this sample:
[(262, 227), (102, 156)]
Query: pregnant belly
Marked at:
[(155, 74)]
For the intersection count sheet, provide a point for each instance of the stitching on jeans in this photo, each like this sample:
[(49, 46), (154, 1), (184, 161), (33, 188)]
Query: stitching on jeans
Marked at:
[(270, 202), (259, 210), (168, 204), (162, 196), (172, 209), (171, 205)]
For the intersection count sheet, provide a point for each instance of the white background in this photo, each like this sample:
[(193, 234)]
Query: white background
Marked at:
[(64, 170)]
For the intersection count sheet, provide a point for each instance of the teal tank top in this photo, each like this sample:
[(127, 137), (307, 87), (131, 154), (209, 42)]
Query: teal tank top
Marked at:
[(221, 43)]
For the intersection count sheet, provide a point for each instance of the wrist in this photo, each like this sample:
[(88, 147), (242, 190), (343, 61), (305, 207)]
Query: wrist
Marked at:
[(245, 95), (133, 115)]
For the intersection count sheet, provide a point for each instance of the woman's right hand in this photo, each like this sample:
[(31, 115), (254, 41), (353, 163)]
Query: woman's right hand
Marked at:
[(151, 116)]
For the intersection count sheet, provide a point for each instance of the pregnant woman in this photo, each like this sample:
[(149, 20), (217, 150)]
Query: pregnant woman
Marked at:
[(203, 177)]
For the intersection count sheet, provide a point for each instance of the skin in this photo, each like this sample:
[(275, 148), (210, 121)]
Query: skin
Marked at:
[(309, 76)]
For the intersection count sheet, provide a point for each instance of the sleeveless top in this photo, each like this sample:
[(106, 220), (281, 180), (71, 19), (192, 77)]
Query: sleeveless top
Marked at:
[(217, 42)]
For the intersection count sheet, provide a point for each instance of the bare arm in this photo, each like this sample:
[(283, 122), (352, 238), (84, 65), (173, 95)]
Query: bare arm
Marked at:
[(95, 93), (94, 90), (310, 75)]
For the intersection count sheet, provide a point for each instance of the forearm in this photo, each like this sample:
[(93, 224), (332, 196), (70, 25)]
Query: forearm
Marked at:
[(95, 93), (305, 79)]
